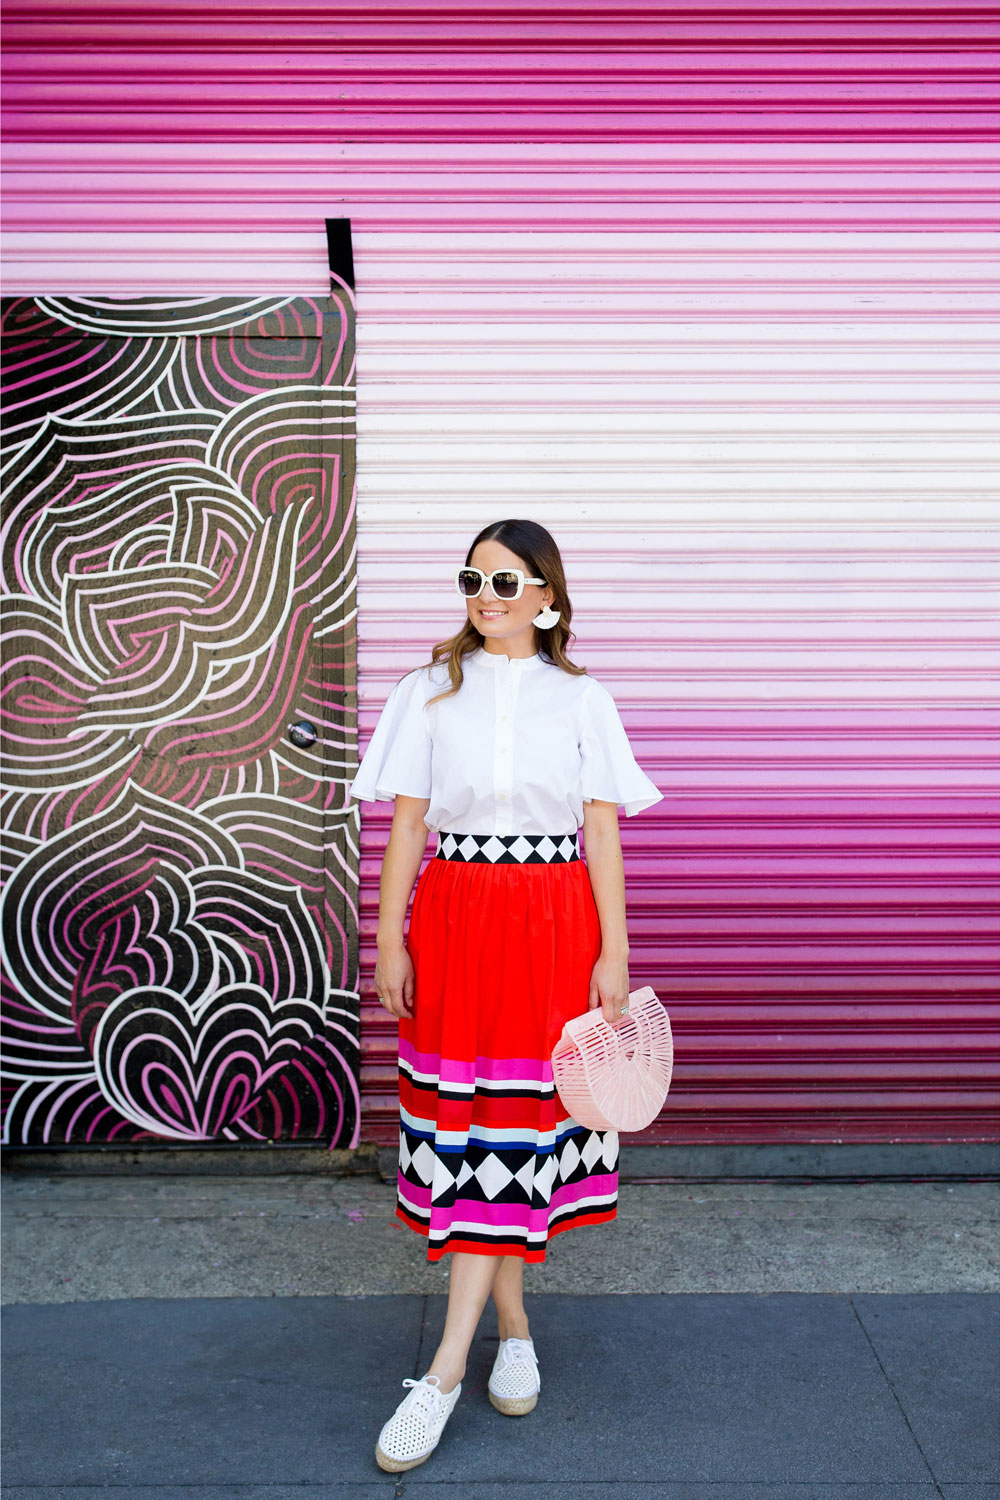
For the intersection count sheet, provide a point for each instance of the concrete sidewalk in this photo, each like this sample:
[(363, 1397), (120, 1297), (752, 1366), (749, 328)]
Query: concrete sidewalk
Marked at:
[(220, 1338)]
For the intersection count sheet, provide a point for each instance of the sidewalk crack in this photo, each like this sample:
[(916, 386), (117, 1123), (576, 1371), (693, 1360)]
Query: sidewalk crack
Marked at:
[(895, 1397), (420, 1339)]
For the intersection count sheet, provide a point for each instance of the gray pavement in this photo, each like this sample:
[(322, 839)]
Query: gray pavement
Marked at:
[(219, 1337)]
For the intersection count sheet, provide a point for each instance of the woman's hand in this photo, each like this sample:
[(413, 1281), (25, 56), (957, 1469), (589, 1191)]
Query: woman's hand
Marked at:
[(609, 986), (395, 979)]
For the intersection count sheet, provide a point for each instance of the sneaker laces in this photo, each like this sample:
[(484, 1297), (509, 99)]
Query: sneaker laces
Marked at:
[(425, 1395), (514, 1350)]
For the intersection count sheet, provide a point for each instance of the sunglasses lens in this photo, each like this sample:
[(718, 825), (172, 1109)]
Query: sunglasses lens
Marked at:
[(505, 585), (469, 581)]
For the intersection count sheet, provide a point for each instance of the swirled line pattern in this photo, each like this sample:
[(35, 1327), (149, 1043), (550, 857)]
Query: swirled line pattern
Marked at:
[(180, 883)]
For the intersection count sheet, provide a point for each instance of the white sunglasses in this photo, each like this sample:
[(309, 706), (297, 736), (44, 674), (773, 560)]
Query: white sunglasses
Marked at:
[(506, 583)]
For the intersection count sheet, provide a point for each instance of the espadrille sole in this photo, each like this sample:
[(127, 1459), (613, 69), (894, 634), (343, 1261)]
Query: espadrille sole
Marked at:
[(397, 1465), (514, 1406)]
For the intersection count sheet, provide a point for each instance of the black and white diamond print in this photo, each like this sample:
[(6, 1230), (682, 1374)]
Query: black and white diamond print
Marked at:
[(505, 1174), (509, 848)]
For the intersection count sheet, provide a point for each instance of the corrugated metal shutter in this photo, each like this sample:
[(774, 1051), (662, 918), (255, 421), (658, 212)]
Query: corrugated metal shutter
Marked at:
[(710, 294)]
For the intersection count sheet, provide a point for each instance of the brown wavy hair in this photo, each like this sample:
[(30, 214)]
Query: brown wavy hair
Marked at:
[(537, 549)]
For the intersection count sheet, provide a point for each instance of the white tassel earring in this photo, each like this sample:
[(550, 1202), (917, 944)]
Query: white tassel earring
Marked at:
[(547, 618)]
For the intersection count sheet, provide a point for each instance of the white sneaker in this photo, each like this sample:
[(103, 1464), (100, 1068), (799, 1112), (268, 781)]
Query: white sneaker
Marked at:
[(515, 1381), (415, 1427)]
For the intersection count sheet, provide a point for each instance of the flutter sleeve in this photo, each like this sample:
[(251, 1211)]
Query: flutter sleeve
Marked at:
[(609, 771), (398, 757)]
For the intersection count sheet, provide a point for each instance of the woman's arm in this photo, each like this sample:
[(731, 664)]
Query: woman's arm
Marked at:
[(394, 973), (609, 984)]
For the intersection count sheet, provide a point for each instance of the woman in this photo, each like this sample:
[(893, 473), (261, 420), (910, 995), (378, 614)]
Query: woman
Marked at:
[(506, 748)]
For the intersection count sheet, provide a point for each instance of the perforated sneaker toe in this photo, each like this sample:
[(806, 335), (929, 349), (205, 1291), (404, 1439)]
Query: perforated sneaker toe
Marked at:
[(415, 1427), (515, 1381)]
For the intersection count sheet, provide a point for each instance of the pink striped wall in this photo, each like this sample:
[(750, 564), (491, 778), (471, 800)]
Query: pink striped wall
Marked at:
[(712, 293)]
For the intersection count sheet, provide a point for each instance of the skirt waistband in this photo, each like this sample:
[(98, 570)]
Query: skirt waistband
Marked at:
[(509, 848)]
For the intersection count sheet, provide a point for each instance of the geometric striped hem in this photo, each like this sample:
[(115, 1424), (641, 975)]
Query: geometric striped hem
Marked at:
[(505, 1199), (474, 1240), (489, 1160)]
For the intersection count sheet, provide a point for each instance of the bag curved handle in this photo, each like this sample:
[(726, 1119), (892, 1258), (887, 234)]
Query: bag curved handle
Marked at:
[(597, 1047)]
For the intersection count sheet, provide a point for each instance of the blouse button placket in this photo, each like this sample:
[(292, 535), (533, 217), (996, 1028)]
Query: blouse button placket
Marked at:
[(507, 680)]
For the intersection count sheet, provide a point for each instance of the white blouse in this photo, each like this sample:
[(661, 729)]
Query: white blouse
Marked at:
[(518, 749)]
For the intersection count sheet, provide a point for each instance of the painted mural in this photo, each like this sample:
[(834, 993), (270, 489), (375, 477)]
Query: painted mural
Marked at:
[(179, 720)]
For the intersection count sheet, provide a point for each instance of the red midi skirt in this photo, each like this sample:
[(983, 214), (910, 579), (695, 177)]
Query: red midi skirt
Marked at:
[(490, 1162)]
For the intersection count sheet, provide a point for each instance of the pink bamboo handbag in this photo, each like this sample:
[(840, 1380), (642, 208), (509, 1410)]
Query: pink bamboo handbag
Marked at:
[(616, 1076)]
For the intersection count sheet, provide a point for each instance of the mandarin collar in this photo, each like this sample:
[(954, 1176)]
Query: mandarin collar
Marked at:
[(500, 659)]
